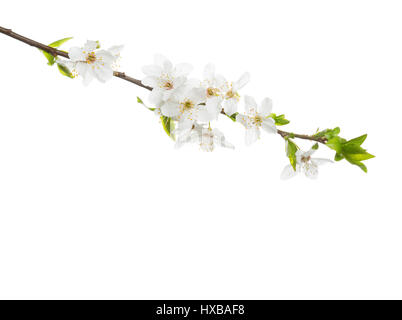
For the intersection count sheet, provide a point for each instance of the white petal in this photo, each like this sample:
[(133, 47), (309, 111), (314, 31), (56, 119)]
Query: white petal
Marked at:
[(156, 97), (170, 109), (244, 79), (220, 139), (91, 45), (230, 106), (183, 138), (311, 171), (252, 135), (87, 76), (159, 60), (182, 70), (269, 126), (266, 107), (197, 95), (167, 66), (288, 172), (150, 81), (105, 57), (209, 71), (250, 104), (320, 161), (243, 119), (104, 73), (213, 105), (152, 70), (115, 50), (76, 54), (204, 116)]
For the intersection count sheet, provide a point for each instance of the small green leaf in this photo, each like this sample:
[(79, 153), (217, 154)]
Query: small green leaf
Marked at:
[(233, 116), (335, 143), (58, 43), (142, 102), (279, 120), (349, 150), (168, 126), (291, 149), (50, 58), (339, 157), (359, 156), (315, 147), (65, 71), (358, 140), (328, 133)]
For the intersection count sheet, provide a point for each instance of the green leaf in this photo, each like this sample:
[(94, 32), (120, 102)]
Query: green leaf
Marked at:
[(58, 43), (233, 116), (279, 120), (359, 156), (142, 102), (349, 150), (168, 126), (315, 147), (50, 58), (335, 143), (65, 71), (339, 157), (291, 149), (358, 140), (328, 133)]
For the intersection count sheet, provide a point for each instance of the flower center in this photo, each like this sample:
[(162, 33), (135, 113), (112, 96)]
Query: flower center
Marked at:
[(230, 95), (91, 57), (187, 105), (212, 92), (258, 120), (305, 159), (168, 85)]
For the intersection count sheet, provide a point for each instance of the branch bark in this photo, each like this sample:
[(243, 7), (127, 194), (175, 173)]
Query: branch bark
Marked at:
[(55, 52)]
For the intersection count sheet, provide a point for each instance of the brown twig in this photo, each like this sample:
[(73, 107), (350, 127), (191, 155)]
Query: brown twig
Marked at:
[(55, 52)]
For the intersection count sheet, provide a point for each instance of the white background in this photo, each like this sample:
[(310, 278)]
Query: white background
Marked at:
[(95, 202)]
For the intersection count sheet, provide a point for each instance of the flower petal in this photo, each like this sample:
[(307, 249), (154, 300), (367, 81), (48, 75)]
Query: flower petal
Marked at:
[(170, 109), (156, 97), (91, 45), (152, 70), (288, 172), (269, 126), (320, 161), (182, 70), (230, 106), (252, 135), (244, 79), (250, 105), (311, 171), (209, 71), (76, 54), (266, 107), (150, 81), (115, 50)]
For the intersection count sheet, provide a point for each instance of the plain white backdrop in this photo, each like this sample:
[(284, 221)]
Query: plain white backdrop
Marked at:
[(95, 202)]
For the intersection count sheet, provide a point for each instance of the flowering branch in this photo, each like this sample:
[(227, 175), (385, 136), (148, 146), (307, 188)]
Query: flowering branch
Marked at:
[(187, 107)]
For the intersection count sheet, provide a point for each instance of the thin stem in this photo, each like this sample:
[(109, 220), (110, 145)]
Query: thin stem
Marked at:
[(55, 52)]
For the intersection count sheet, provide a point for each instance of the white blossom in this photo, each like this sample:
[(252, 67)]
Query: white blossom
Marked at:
[(214, 86), (206, 137), (164, 79), (232, 96), (92, 62), (187, 106), (304, 163), (256, 118)]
